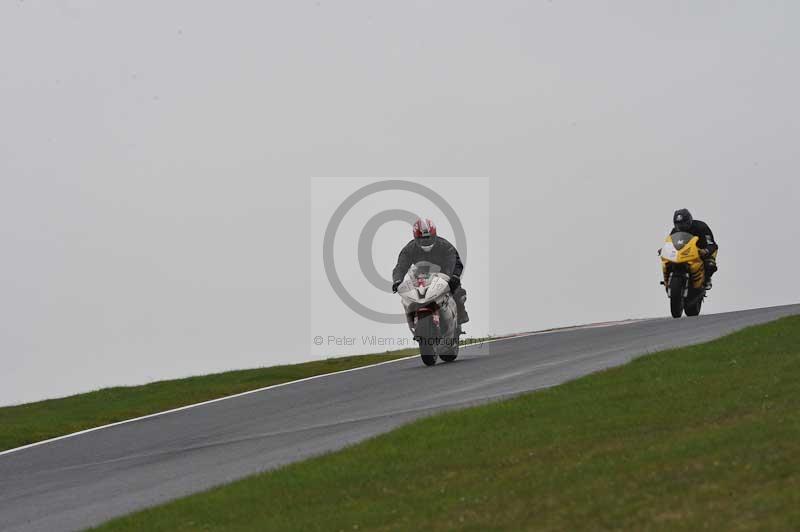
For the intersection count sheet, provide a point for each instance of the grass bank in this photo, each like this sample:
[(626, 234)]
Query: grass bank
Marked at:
[(701, 437)]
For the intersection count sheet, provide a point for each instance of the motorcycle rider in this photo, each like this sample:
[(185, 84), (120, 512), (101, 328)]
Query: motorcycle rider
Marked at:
[(428, 246), (684, 222)]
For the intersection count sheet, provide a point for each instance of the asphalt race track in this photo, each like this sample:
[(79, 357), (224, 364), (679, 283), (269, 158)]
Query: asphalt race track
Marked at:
[(84, 480)]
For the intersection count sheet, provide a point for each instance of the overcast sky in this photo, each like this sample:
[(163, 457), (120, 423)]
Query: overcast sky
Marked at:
[(156, 202)]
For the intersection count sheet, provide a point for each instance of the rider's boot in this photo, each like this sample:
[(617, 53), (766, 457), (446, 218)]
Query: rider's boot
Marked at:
[(710, 271), (463, 317), (711, 268), (460, 296)]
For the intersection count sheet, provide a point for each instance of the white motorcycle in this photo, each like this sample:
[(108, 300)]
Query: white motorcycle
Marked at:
[(431, 312)]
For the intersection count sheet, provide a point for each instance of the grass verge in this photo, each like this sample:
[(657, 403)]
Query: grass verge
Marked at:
[(702, 437), (33, 422)]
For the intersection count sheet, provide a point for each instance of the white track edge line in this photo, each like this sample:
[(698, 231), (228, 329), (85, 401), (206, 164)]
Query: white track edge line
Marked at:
[(304, 379), (195, 405)]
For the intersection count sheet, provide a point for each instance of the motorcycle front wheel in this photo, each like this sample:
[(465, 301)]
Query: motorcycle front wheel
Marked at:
[(427, 352), (427, 355), (676, 296), (425, 331)]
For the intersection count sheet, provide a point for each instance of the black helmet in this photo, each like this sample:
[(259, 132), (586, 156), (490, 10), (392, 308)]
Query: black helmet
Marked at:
[(682, 220)]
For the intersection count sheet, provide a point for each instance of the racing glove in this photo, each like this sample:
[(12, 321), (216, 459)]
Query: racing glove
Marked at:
[(395, 285)]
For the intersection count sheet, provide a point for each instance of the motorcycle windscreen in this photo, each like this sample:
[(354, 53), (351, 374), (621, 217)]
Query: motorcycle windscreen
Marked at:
[(681, 240), (423, 269)]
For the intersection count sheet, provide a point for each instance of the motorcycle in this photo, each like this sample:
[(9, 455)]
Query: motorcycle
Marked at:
[(431, 312), (684, 274)]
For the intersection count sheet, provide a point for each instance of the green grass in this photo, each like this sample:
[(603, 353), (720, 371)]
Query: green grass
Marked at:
[(32, 422), (702, 437)]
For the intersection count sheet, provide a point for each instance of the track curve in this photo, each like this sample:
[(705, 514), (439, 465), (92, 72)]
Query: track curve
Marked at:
[(83, 480)]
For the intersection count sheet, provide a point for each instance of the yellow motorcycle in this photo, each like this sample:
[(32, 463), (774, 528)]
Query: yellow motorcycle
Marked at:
[(684, 274)]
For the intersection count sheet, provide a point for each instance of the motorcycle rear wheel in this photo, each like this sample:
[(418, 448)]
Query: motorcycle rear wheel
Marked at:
[(452, 353), (694, 309)]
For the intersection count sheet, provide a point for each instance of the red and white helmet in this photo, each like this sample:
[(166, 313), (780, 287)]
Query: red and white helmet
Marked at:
[(425, 233)]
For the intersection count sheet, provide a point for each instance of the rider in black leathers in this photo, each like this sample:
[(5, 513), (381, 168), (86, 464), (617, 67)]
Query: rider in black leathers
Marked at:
[(684, 222), (427, 246)]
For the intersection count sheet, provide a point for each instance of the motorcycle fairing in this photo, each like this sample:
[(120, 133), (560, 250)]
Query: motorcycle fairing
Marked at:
[(681, 249), (415, 296), (426, 293)]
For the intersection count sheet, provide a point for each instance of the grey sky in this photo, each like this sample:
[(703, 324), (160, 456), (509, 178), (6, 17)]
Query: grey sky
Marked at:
[(155, 162)]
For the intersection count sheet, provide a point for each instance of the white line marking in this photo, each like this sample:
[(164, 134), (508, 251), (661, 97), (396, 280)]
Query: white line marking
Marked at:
[(305, 379), (187, 407)]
